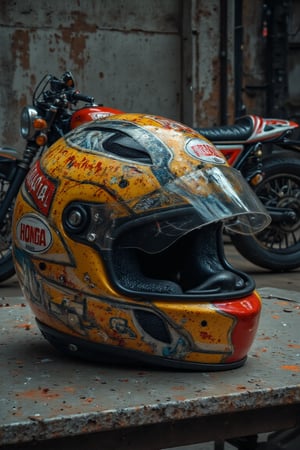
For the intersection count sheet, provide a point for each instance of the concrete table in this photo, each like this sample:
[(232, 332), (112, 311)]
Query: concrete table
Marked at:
[(52, 400)]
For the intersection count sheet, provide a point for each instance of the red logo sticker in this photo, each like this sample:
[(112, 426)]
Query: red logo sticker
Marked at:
[(100, 114), (205, 151), (33, 234), (40, 188)]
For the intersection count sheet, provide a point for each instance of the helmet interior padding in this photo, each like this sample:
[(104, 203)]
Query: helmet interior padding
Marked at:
[(194, 265)]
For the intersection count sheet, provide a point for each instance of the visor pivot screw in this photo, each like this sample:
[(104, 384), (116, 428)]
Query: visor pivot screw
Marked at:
[(75, 218), (91, 237), (87, 277), (73, 347), (97, 218)]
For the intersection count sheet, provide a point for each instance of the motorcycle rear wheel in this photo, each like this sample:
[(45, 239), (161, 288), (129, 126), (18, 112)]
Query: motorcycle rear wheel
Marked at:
[(7, 269), (277, 247)]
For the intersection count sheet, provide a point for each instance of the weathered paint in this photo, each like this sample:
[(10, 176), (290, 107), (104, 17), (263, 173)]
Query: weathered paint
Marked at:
[(124, 57), (66, 273), (166, 61)]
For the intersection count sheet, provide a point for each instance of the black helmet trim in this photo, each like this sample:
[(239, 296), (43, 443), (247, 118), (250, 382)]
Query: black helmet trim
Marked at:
[(75, 346)]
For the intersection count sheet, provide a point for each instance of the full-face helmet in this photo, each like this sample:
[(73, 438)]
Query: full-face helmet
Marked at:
[(118, 246)]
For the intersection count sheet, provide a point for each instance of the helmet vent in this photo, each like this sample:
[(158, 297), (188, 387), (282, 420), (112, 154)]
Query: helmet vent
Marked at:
[(153, 325), (126, 147)]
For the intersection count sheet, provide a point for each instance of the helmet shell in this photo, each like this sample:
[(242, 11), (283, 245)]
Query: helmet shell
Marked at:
[(84, 285)]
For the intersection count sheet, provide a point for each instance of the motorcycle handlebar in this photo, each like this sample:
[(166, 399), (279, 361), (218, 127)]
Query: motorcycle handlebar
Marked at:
[(83, 98)]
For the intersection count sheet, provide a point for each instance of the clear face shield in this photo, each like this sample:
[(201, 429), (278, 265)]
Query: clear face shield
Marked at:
[(155, 221), (216, 194), (221, 193)]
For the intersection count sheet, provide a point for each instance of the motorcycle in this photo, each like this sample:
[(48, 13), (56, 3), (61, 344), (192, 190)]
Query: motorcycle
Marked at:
[(275, 176), (263, 151), (51, 116)]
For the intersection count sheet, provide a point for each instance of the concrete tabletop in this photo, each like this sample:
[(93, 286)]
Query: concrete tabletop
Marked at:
[(45, 395)]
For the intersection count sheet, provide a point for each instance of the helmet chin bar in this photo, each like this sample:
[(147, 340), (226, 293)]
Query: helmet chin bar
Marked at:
[(194, 266)]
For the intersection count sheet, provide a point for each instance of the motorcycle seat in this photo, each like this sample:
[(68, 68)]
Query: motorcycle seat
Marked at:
[(241, 130)]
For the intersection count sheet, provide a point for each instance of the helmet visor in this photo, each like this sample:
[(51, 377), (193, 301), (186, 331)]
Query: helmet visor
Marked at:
[(155, 221), (220, 193), (214, 194)]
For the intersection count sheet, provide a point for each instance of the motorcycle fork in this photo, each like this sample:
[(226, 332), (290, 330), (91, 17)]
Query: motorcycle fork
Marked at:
[(250, 163), (20, 170), (12, 191)]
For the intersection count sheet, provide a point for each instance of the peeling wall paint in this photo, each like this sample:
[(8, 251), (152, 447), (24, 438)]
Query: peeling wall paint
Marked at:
[(123, 57), (205, 63), (165, 60)]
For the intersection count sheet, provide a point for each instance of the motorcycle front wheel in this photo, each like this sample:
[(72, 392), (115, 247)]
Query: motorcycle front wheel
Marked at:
[(277, 247), (7, 269)]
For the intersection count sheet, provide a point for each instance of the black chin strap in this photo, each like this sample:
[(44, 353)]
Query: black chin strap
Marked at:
[(221, 281)]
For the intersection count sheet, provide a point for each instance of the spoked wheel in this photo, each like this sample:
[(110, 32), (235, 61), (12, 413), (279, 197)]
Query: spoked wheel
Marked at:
[(6, 261), (277, 247)]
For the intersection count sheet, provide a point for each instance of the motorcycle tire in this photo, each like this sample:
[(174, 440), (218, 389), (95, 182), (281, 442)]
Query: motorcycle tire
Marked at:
[(7, 269), (277, 247)]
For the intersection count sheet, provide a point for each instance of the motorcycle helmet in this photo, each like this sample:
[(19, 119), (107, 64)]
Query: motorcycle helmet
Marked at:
[(118, 246)]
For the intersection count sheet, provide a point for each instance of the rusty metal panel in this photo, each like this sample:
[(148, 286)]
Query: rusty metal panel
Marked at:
[(293, 103), (205, 20), (124, 56), (206, 77), (90, 15), (256, 31), (163, 59), (254, 47)]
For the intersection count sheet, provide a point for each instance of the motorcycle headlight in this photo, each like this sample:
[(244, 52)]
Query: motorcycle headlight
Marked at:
[(28, 115)]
